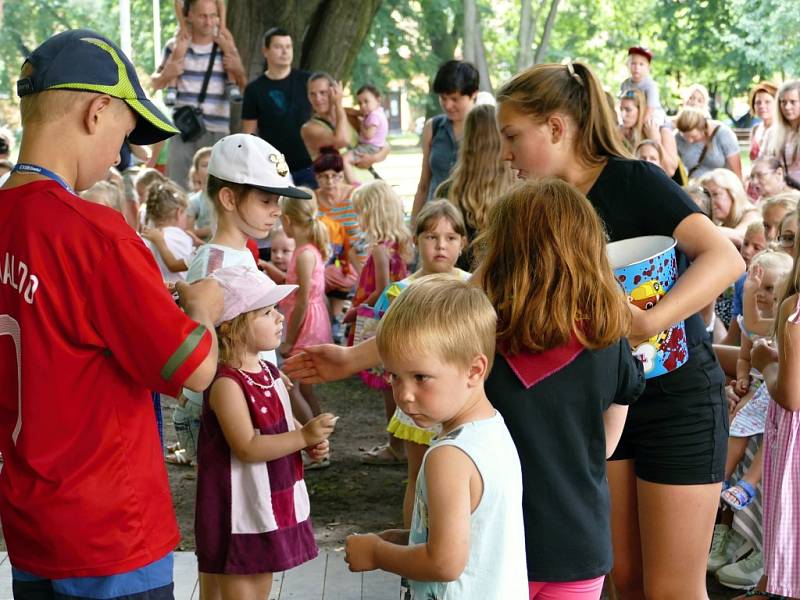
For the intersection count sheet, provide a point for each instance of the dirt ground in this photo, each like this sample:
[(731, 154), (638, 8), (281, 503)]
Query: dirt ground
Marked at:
[(347, 497)]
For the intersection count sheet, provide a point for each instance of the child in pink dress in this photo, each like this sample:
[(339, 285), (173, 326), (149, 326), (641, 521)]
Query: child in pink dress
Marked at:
[(307, 317), (252, 515)]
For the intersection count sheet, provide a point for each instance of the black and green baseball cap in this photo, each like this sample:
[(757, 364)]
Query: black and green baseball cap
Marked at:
[(84, 60)]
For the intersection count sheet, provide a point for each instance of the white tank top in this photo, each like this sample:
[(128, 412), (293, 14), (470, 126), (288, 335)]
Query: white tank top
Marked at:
[(496, 566)]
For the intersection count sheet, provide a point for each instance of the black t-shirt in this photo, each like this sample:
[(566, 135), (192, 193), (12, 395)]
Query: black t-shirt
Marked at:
[(635, 198), (281, 107), (557, 427)]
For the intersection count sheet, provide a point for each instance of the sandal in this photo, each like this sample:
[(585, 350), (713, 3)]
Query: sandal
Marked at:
[(739, 496), (383, 455), (313, 465), (178, 458), (754, 593)]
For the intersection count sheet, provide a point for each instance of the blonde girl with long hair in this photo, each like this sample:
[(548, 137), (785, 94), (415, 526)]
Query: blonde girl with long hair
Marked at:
[(784, 141), (733, 212), (479, 176), (306, 312), (555, 121), (380, 213), (635, 127)]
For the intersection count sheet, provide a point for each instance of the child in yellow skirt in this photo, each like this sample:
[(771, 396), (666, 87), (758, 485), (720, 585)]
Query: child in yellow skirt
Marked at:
[(440, 237)]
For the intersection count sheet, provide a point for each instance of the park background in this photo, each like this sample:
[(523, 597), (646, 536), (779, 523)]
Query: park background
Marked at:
[(726, 45)]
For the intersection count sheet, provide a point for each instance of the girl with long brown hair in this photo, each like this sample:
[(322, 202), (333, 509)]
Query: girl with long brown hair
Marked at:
[(479, 176), (563, 376), (665, 475)]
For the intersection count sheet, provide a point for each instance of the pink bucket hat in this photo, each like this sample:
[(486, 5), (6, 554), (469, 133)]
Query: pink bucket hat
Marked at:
[(245, 288)]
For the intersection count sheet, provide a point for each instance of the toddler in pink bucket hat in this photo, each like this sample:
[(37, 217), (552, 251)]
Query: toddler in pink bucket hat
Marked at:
[(245, 289)]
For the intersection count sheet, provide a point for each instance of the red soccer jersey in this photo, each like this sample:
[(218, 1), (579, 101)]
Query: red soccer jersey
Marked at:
[(86, 329)]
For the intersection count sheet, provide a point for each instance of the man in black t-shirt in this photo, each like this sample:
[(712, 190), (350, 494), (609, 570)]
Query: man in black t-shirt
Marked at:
[(276, 105)]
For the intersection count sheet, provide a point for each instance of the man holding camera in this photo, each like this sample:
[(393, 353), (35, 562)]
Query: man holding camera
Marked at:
[(196, 63)]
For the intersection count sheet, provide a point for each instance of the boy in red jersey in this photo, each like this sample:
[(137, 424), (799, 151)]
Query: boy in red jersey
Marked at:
[(86, 330)]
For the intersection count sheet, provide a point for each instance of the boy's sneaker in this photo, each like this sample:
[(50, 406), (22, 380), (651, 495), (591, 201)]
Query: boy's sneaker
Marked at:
[(170, 96), (744, 574), (233, 93), (727, 546)]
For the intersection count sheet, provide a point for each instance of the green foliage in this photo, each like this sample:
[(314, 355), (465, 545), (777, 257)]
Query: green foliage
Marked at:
[(724, 44), (407, 43), (26, 23)]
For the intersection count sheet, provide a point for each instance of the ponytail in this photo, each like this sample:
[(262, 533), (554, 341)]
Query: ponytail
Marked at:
[(163, 200), (303, 215), (320, 238), (572, 89)]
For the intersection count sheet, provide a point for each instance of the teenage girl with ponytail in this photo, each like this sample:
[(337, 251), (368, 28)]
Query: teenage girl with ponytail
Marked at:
[(666, 472)]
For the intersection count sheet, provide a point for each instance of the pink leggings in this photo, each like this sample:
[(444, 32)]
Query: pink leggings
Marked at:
[(586, 589)]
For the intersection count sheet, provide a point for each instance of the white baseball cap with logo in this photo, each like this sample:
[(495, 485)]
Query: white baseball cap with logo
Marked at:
[(245, 289), (248, 160)]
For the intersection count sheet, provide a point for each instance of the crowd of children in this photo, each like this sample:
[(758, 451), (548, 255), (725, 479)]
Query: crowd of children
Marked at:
[(540, 460)]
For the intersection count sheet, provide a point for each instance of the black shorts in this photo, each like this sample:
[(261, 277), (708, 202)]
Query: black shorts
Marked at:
[(677, 431)]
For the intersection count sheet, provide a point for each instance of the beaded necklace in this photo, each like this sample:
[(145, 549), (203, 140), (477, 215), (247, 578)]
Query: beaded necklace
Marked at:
[(266, 387)]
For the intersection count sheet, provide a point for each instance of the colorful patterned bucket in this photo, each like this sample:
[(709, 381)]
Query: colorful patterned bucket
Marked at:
[(646, 268)]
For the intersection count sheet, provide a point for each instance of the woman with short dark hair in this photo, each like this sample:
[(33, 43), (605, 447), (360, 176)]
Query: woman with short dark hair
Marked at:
[(456, 84)]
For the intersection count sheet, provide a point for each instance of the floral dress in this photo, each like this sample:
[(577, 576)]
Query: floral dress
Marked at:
[(367, 284)]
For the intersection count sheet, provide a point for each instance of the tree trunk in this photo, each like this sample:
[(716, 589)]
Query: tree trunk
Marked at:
[(474, 50), (335, 34), (470, 31), (327, 34), (527, 32), (444, 35), (548, 29)]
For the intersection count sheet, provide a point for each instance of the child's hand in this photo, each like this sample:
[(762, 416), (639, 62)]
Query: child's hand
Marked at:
[(285, 348), (359, 552), (196, 241), (153, 234), (763, 354), (319, 451), (286, 381), (319, 428), (742, 386), (753, 281), (395, 536), (733, 399), (651, 130)]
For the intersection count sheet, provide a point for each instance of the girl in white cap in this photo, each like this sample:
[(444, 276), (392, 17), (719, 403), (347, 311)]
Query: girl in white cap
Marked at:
[(246, 178), (252, 514)]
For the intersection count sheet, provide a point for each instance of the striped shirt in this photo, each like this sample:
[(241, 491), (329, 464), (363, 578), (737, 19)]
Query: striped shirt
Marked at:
[(216, 108), (344, 213)]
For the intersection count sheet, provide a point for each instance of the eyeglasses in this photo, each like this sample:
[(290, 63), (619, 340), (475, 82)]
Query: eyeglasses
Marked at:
[(786, 240), (761, 174), (333, 177), (629, 94)]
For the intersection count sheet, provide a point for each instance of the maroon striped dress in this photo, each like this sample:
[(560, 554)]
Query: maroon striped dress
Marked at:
[(251, 517)]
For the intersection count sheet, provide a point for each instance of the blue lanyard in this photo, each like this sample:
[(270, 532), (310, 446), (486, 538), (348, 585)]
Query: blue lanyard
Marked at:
[(31, 168)]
